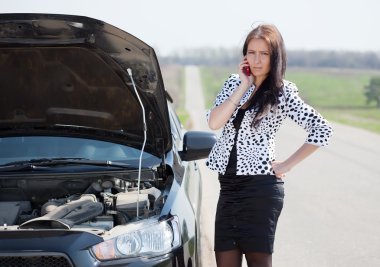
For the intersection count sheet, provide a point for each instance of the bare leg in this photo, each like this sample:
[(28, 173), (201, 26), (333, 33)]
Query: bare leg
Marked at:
[(229, 258), (256, 259)]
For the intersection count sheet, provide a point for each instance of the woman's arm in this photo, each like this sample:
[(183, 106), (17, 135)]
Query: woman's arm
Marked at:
[(219, 115), (318, 128), (282, 167)]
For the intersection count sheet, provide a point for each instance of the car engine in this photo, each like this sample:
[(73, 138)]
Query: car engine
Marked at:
[(101, 202)]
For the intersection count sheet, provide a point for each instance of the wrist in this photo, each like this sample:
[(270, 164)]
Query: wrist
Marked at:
[(238, 94), (236, 104), (244, 86), (289, 164)]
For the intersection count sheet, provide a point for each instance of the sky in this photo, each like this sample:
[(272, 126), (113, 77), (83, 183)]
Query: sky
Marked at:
[(175, 25)]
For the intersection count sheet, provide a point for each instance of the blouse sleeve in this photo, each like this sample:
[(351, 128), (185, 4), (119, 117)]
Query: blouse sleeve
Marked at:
[(318, 128), (224, 93)]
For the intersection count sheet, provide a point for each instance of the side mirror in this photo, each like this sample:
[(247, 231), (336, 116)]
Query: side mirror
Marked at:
[(197, 145)]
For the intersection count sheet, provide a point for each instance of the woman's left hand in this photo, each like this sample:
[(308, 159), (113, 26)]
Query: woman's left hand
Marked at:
[(280, 169)]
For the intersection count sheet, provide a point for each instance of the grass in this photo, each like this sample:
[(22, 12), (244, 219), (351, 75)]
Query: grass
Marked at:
[(337, 94), (212, 81), (182, 113), (368, 119), (174, 80), (331, 88)]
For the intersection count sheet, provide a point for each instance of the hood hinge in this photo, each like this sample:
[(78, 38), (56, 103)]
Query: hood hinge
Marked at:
[(160, 147)]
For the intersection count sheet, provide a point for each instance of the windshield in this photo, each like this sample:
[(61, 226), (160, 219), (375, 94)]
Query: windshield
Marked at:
[(36, 147)]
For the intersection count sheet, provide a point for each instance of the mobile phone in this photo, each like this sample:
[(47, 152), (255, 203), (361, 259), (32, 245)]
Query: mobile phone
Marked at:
[(247, 70)]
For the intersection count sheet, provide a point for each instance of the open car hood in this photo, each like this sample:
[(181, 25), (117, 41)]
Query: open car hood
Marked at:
[(64, 74)]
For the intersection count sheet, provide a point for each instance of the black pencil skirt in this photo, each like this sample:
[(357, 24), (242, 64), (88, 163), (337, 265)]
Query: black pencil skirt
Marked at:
[(247, 212)]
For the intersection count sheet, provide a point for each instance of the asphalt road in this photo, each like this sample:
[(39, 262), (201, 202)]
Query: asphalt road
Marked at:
[(331, 215)]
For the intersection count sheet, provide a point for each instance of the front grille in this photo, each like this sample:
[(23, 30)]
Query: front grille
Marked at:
[(35, 261)]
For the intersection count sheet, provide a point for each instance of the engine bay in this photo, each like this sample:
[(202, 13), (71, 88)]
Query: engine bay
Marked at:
[(98, 202)]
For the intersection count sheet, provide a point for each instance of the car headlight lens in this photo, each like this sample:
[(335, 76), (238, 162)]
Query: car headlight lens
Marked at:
[(143, 238), (128, 244)]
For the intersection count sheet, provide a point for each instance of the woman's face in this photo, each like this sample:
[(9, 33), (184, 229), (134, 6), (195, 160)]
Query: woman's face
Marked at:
[(258, 57)]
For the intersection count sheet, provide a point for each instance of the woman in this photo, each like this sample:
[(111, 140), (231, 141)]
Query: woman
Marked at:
[(251, 108)]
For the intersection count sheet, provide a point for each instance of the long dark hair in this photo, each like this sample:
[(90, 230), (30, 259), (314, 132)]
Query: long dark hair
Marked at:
[(268, 93)]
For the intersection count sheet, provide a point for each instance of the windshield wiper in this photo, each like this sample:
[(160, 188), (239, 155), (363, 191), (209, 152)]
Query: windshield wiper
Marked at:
[(45, 163)]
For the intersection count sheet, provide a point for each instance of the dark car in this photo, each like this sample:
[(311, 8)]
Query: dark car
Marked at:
[(95, 168)]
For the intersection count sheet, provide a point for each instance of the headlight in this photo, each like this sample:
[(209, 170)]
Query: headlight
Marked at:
[(142, 238)]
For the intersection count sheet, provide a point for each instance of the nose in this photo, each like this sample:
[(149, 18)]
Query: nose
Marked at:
[(256, 58)]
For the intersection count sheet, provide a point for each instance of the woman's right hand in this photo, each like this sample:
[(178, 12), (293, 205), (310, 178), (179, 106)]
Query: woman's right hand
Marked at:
[(246, 81)]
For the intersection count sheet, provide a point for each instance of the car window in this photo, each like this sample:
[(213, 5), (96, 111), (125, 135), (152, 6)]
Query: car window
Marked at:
[(36, 147)]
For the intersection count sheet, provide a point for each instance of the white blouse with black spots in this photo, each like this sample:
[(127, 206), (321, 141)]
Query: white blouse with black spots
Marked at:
[(255, 147)]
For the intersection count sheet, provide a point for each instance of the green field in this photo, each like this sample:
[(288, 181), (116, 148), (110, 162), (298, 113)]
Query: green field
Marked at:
[(337, 94), (174, 78)]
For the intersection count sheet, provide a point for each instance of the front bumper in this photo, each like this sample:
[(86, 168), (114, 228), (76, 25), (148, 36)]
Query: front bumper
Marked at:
[(67, 249), (48, 259)]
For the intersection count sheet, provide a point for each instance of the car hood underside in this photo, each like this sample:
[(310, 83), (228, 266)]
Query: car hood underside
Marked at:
[(61, 71)]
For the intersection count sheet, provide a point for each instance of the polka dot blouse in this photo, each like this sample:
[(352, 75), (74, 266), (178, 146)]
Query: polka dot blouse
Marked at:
[(255, 147)]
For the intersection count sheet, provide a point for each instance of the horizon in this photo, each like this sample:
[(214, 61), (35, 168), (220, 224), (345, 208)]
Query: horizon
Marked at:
[(171, 25)]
